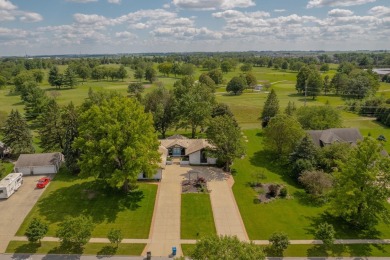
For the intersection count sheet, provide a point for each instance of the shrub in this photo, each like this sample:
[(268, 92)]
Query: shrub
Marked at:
[(283, 192)]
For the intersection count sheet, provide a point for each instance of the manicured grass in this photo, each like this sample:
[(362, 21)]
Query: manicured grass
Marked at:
[(71, 196), (187, 248), (98, 249), (360, 250), (298, 216), (318, 250), (196, 216)]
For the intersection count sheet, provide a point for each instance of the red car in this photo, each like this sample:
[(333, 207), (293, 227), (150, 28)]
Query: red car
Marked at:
[(43, 182)]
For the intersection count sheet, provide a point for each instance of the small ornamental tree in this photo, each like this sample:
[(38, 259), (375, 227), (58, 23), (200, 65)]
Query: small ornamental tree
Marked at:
[(36, 230), (326, 233), (115, 236), (75, 232), (278, 243)]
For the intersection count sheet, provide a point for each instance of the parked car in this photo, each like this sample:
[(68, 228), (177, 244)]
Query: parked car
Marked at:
[(42, 182)]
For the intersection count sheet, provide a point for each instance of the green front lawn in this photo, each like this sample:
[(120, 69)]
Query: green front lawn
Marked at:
[(297, 216), (196, 216), (98, 249), (69, 195)]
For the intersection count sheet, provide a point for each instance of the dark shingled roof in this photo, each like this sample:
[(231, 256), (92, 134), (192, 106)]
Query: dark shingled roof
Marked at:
[(341, 135), (38, 159)]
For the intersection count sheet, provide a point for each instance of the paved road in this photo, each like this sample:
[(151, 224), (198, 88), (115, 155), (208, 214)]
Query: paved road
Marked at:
[(15, 209)]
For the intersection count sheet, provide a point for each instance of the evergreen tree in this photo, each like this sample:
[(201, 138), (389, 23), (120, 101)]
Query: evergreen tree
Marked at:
[(70, 78), (17, 135), (55, 78), (70, 125), (51, 131), (270, 109), (35, 102), (290, 109), (304, 156)]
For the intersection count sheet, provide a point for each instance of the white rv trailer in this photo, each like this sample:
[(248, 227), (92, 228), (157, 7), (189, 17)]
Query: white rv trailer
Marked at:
[(10, 184)]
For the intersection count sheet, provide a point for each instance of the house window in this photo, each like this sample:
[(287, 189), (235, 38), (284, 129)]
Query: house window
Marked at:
[(176, 151)]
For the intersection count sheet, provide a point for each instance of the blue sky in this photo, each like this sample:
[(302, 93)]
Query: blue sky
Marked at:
[(36, 27)]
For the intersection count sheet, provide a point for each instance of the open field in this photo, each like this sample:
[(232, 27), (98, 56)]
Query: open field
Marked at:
[(99, 249), (71, 196), (196, 216)]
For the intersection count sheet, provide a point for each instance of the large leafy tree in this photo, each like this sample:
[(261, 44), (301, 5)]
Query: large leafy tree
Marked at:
[(225, 135), (150, 74), (227, 248), (319, 117), (282, 134), (51, 131), (236, 85), (361, 187), (117, 142), (314, 84), (161, 103), (194, 104), (302, 77), (270, 109), (17, 134)]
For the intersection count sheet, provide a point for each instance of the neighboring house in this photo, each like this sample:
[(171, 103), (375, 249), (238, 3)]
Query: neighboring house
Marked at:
[(193, 149), (39, 163), (322, 138), (164, 153)]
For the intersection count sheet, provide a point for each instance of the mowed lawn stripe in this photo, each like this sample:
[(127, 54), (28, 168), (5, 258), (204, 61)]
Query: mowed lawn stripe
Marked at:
[(196, 216)]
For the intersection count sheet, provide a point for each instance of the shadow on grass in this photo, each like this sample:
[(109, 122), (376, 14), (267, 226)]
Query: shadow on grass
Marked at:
[(107, 251), (343, 229), (92, 199), (30, 248)]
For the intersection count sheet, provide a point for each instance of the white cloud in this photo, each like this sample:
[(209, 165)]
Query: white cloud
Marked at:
[(379, 11), (340, 12), (31, 17), (125, 35), (322, 3), (166, 6), (6, 16), (279, 10), (7, 5), (114, 1), (237, 14), (92, 19), (213, 4)]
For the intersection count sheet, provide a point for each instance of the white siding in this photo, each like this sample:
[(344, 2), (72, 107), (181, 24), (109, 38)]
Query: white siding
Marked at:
[(40, 170), (195, 158)]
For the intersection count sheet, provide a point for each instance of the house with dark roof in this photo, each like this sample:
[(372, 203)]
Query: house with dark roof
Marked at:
[(193, 149), (322, 138), (39, 163)]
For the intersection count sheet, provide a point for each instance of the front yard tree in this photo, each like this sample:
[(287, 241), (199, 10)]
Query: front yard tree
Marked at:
[(236, 85), (270, 109), (117, 142), (74, 233), (115, 236), (326, 233), (225, 247), (361, 187), (36, 230), (16, 134), (224, 133), (51, 131), (282, 134), (161, 103), (278, 243)]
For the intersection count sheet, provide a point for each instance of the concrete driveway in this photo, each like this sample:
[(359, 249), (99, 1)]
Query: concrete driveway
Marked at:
[(14, 209)]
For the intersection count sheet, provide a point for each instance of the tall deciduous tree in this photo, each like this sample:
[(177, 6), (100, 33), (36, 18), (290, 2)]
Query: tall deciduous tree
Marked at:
[(227, 248), (302, 77), (216, 75), (236, 85), (224, 133), (117, 142), (17, 134), (314, 84), (270, 109), (121, 72), (319, 117), (362, 186), (150, 74), (161, 103), (282, 134), (51, 131)]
